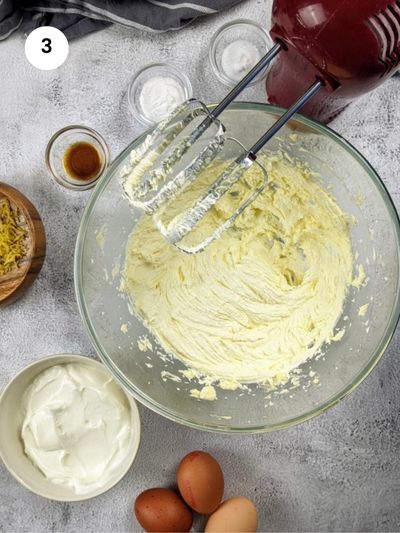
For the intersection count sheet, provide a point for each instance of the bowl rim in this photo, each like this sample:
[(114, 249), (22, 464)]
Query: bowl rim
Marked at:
[(215, 428), (53, 360)]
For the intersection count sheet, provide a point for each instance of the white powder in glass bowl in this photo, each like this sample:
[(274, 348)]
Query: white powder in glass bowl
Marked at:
[(159, 96), (238, 58)]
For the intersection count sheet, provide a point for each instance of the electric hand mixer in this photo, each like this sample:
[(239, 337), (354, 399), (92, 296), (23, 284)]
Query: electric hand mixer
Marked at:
[(338, 48)]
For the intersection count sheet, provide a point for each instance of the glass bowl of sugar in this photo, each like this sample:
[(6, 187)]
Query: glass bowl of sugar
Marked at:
[(235, 48), (156, 90)]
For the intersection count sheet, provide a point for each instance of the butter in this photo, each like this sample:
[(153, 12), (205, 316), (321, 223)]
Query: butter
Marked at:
[(208, 392), (359, 280), (259, 301)]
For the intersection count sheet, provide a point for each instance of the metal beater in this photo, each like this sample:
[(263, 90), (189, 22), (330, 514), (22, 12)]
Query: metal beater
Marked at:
[(338, 48), (181, 147)]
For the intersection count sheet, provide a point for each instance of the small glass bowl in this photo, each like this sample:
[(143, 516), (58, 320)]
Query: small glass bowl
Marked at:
[(59, 144), (238, 30), (142, 76)]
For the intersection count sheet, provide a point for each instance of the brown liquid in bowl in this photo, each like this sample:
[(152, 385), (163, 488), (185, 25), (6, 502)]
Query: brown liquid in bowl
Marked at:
[(82, 161)]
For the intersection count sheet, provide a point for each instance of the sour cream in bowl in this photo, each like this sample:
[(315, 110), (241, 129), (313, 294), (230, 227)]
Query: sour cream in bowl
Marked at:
[(70, 431)]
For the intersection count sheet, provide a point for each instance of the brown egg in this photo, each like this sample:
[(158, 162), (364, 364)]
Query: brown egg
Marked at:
[(159, 510), (201, 482), (234, 515)]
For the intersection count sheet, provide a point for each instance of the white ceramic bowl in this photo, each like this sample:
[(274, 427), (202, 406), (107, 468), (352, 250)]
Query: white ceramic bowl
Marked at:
[(11, 446)]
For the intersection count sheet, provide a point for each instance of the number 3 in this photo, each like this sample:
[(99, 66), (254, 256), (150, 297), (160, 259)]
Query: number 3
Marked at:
[(47, 46)]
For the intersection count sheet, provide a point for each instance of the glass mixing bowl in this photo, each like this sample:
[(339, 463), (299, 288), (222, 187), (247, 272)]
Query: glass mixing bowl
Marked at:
[(100, 251)]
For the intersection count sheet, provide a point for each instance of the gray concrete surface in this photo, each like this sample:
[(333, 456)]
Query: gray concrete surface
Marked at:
[(338, 472)]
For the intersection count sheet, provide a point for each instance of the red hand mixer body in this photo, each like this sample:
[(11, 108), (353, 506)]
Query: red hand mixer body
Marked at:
[(351, 45)]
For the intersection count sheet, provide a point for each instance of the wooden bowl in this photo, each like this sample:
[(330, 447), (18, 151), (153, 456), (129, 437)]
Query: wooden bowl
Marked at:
[(17, 281)]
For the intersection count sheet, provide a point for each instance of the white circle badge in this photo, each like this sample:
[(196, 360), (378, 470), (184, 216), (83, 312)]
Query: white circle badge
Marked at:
[(46, 48)]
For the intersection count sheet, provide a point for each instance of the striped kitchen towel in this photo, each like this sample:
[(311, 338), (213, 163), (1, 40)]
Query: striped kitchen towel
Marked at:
[(78, 17)]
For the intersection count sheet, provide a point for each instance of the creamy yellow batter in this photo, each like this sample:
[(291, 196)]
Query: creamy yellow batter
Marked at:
[(263, 298)]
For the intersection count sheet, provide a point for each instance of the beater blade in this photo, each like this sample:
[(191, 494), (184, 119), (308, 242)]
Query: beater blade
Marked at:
[(180, 147), (166, 175), (181, 225), (211, 207), (169, 157)]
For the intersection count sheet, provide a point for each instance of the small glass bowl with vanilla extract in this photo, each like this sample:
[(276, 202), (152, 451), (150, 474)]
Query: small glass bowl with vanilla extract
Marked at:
[(77, 157)]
